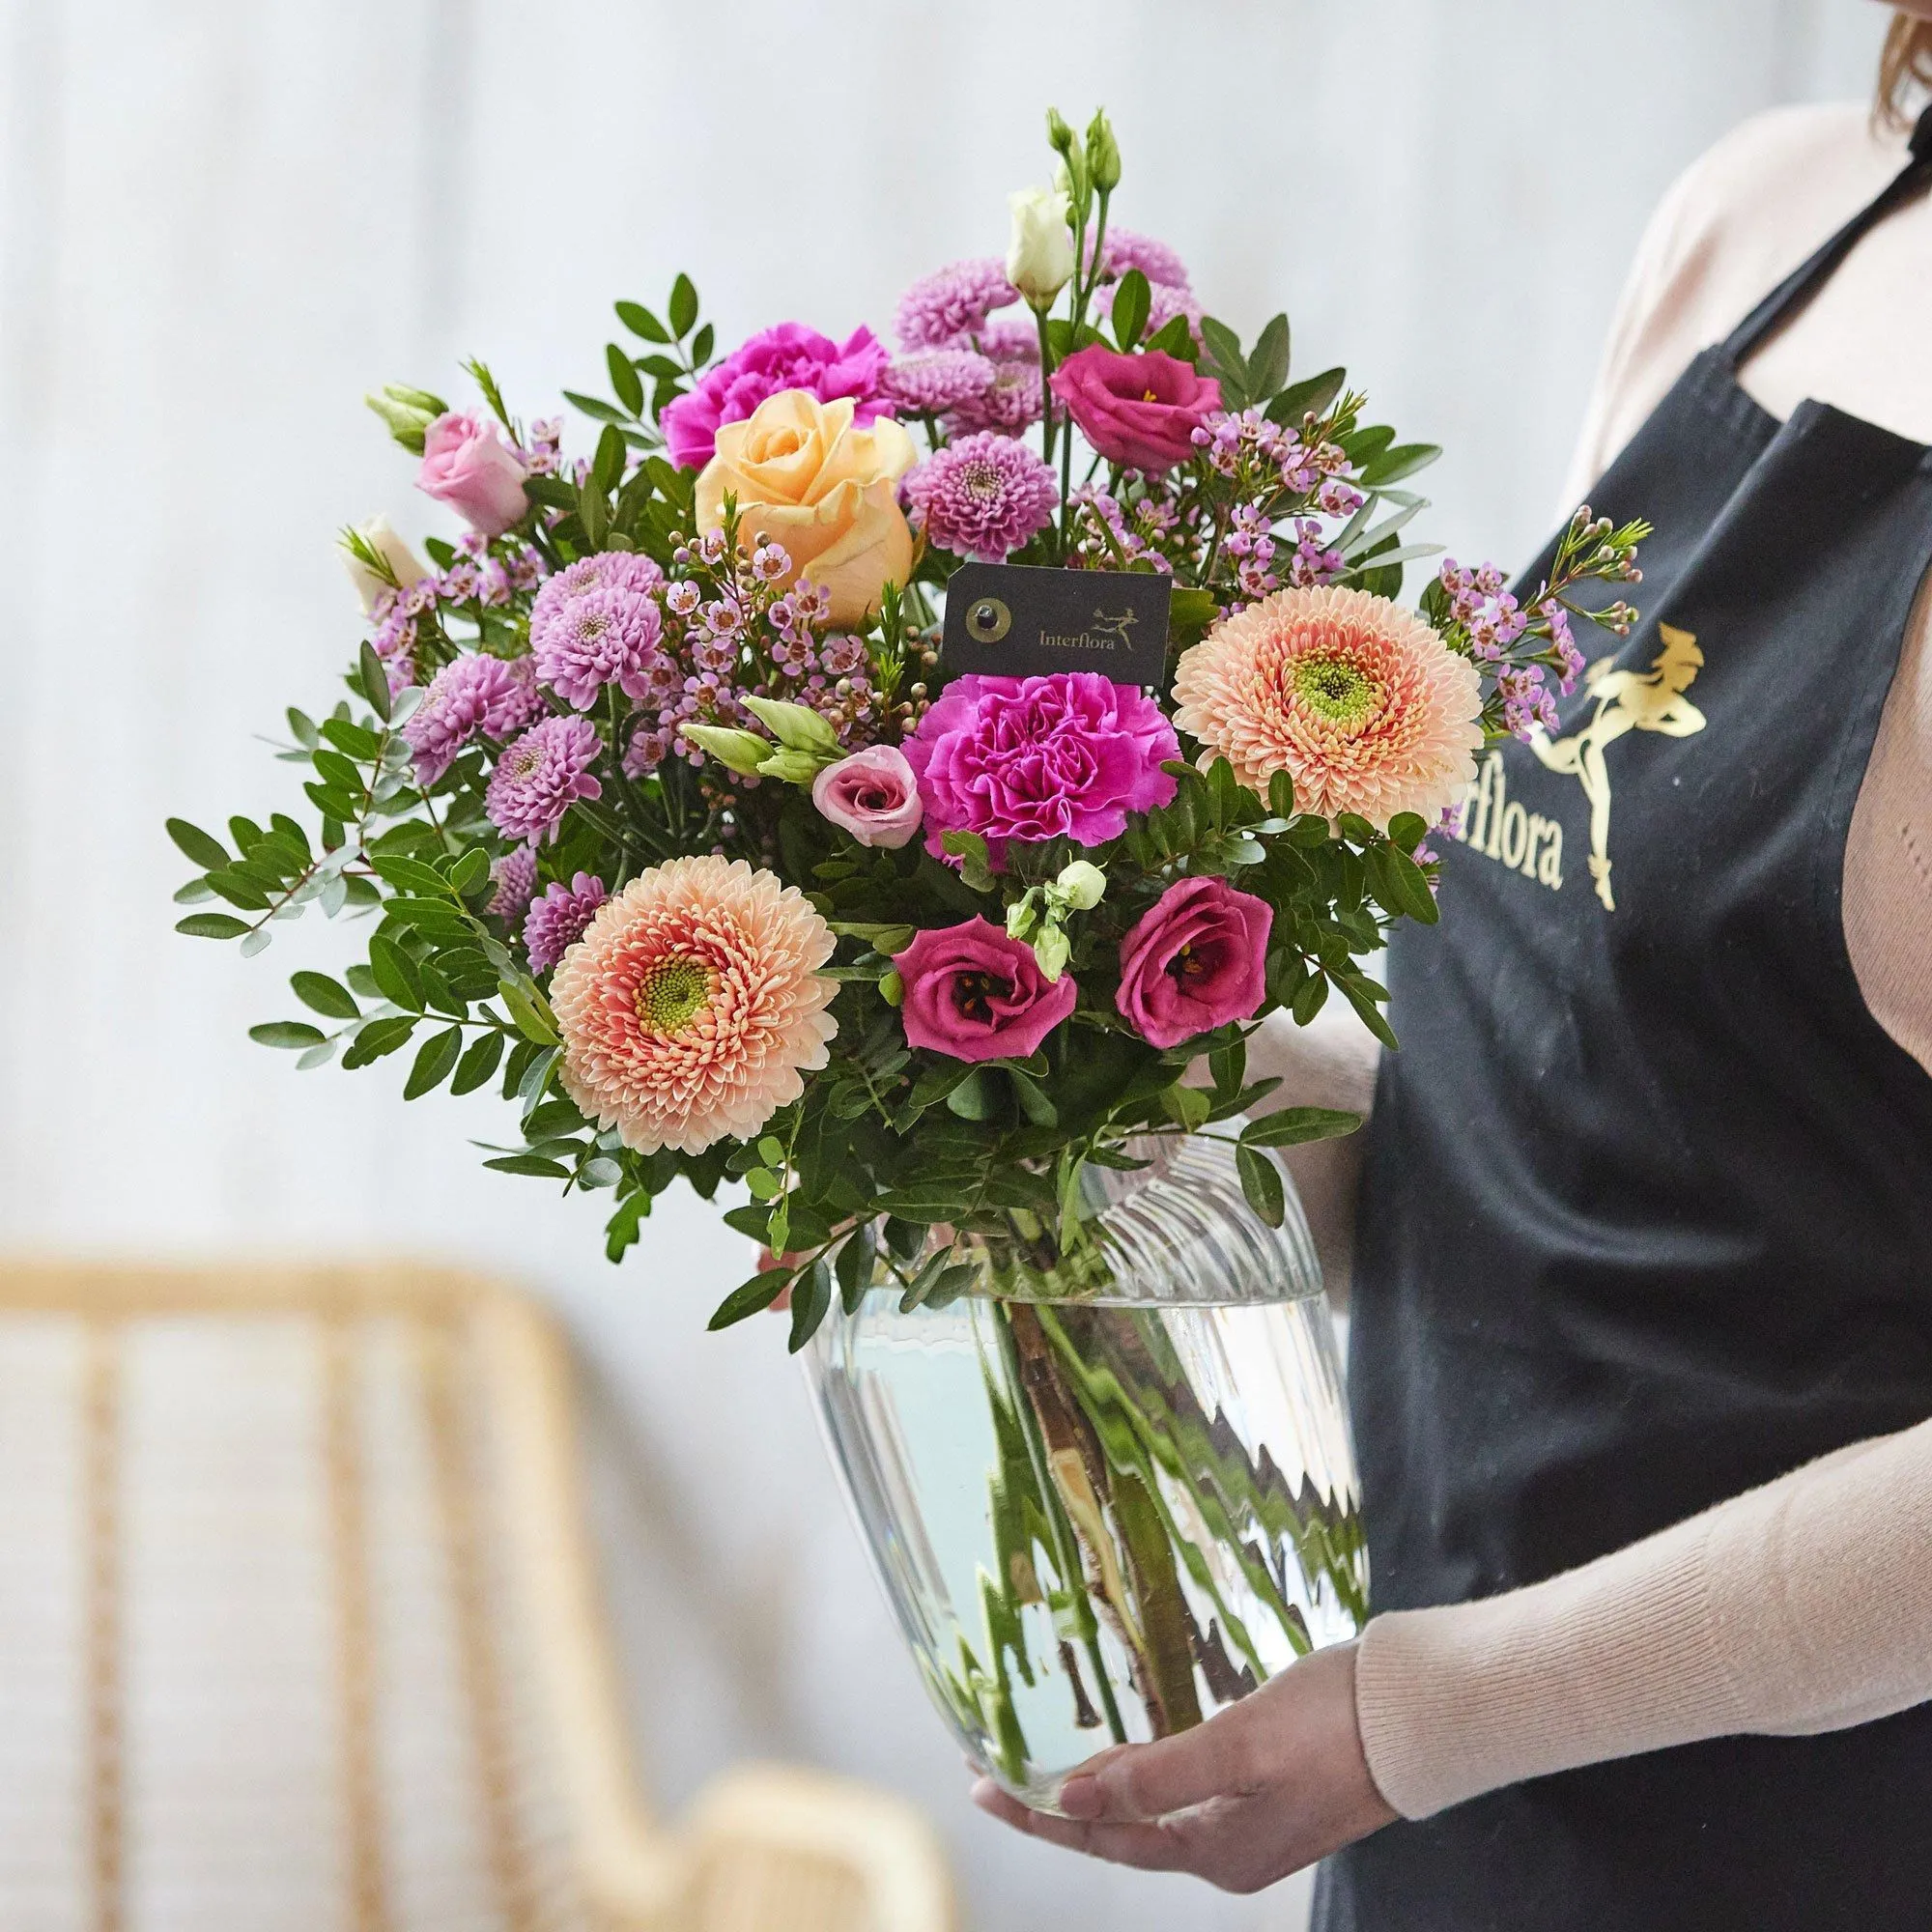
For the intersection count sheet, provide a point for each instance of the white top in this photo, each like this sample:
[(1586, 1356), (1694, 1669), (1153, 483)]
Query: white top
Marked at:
[(1805, 1606)]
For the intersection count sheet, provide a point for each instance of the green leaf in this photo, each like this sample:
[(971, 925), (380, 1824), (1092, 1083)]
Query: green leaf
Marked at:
[(294, 1034), (1267, 366), (207, 852), (765, 1186), (1407, 830), (1280, 795), (434, 1062), (532, 1164), (1229, 1064), (377, 1038), (857, 1257), (1224, 350), (622, 1230), (411, 875), (1307, 398), (479, 1063), (1400, 460), (639, 321), (1188, 1105), (1411, 893), (1293, 1126), (374, 681), (903, 1239), (532, 1018), (1174, 338), (973, 1098), (700, 344), (624, 378), (1132, 299), (597, 411), (395, 972), (1260, 1182), (810, 1303), (320, 994), (751, 1297), (683, 306), (1033, 1098), (211, 925)]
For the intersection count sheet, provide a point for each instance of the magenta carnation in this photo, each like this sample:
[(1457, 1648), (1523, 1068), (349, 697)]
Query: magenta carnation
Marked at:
[(605, 636), (933, 381), (789, 356), (981, 496), (1197, 959), (1067, 756), (540, 776), (972, 992), (476, 694), (558, 920), (953, 302)]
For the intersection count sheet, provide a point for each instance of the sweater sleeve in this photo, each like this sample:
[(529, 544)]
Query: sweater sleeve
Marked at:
[(1798, 1607)]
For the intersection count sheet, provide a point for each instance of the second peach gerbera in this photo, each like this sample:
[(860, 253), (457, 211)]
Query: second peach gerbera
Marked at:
[(1357, 699), (693, 1005)]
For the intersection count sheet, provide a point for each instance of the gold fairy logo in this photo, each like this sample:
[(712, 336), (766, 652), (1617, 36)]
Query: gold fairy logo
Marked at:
[(1626, 700), (1104, 633)]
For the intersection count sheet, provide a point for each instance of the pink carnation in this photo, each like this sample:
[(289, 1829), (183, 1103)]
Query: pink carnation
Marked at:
[(789, 356), (1067, 756), (1197, 959)]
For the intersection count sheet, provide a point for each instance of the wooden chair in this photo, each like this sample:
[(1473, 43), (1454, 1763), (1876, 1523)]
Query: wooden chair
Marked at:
[(299, 1628)]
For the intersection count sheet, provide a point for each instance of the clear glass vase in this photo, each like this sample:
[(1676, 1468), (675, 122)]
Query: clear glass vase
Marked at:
[(1109, 1495)]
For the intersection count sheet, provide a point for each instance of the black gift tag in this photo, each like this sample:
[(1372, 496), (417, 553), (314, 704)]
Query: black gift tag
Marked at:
[(1018, 620)]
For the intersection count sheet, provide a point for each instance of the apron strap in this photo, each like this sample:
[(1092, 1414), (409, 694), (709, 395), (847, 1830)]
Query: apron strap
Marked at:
[(1797, 288)]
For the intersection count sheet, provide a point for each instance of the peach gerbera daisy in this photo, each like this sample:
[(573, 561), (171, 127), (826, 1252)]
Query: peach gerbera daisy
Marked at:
[(1357, 699), (692, 1004)]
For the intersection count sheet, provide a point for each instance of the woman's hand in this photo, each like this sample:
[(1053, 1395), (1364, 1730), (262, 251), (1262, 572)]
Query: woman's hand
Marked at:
[(1267, 1786)]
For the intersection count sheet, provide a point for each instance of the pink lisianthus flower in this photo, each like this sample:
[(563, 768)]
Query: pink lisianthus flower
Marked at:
[(872, 794), (467, 466), (1195, 960), (1137, 411), (1068, 755), (788, 356), (972, 992)]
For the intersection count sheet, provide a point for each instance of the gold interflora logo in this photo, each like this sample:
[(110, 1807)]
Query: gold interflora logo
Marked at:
[(1107, 632)]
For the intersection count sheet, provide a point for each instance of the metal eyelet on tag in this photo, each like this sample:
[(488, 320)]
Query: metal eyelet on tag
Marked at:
[(989, 620)]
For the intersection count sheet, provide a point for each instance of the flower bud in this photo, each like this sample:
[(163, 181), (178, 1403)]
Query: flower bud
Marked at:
[(797, 768), (741, 751), (1081, 885), (376, 539), (1104, 153), (406, 422), (1059, 132), (796, 726), (1052, 949), (1040, 257)]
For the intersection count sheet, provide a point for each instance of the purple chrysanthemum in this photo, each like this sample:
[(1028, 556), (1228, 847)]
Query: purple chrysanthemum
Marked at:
[(558, 920), (981, 496), (1008, 338), (1011, 403), (932, 381), (606, 570), (515, 877), (1126, 249), (953, 301), (608, 634), (541, 775), (474, 693)]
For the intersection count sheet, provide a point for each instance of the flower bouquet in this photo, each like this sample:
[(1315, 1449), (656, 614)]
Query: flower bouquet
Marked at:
[(894, 786)]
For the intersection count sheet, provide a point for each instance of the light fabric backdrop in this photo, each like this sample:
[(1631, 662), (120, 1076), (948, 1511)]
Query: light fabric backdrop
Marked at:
[(224, 220)]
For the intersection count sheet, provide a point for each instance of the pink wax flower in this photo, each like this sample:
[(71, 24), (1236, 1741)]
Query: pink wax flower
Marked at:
[(1067, 756), (973, 993), (1139, 411), (872, 794), (1195, 960), (789, 356), (467, 466)]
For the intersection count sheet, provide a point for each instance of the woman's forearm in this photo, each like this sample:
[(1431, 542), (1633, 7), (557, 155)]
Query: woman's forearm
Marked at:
[(1801, 1607)]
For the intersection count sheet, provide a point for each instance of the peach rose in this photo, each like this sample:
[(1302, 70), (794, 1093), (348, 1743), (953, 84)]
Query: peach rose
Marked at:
[(807, 480)]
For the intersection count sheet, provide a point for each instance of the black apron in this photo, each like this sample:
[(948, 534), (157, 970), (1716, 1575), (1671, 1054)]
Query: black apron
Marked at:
[(1647, 1213)]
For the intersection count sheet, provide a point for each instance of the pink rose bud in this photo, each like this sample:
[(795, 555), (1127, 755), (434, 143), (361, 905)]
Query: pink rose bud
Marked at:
[(467, 466), (872, 794), (1139, 411), (973, 993), (1195, 960)]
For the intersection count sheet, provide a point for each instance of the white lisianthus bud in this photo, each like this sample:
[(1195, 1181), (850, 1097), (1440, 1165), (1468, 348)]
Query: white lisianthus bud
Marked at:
[(1039, 258), (1081, 886), (1051, 949), (378, 537)]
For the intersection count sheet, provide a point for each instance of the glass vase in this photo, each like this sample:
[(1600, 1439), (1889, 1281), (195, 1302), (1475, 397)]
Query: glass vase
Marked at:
[(1109, 1495)]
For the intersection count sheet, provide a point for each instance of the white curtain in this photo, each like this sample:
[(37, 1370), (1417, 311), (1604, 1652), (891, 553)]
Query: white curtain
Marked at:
[(223, 221)]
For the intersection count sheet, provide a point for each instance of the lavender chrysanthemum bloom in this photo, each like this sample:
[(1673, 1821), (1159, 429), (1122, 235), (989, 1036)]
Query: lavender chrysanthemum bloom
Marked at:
[(1010, 404), (515, 877), (540, 776), (607, 569), (474, 693), (981, 496), (1008, 338), (1128, 249), (558, 920), (932, 381), (951, 302), (607, 636)]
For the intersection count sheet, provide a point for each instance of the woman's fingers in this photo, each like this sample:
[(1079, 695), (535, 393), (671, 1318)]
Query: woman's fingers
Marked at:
[(1148, 1847), (1139, 1782)]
